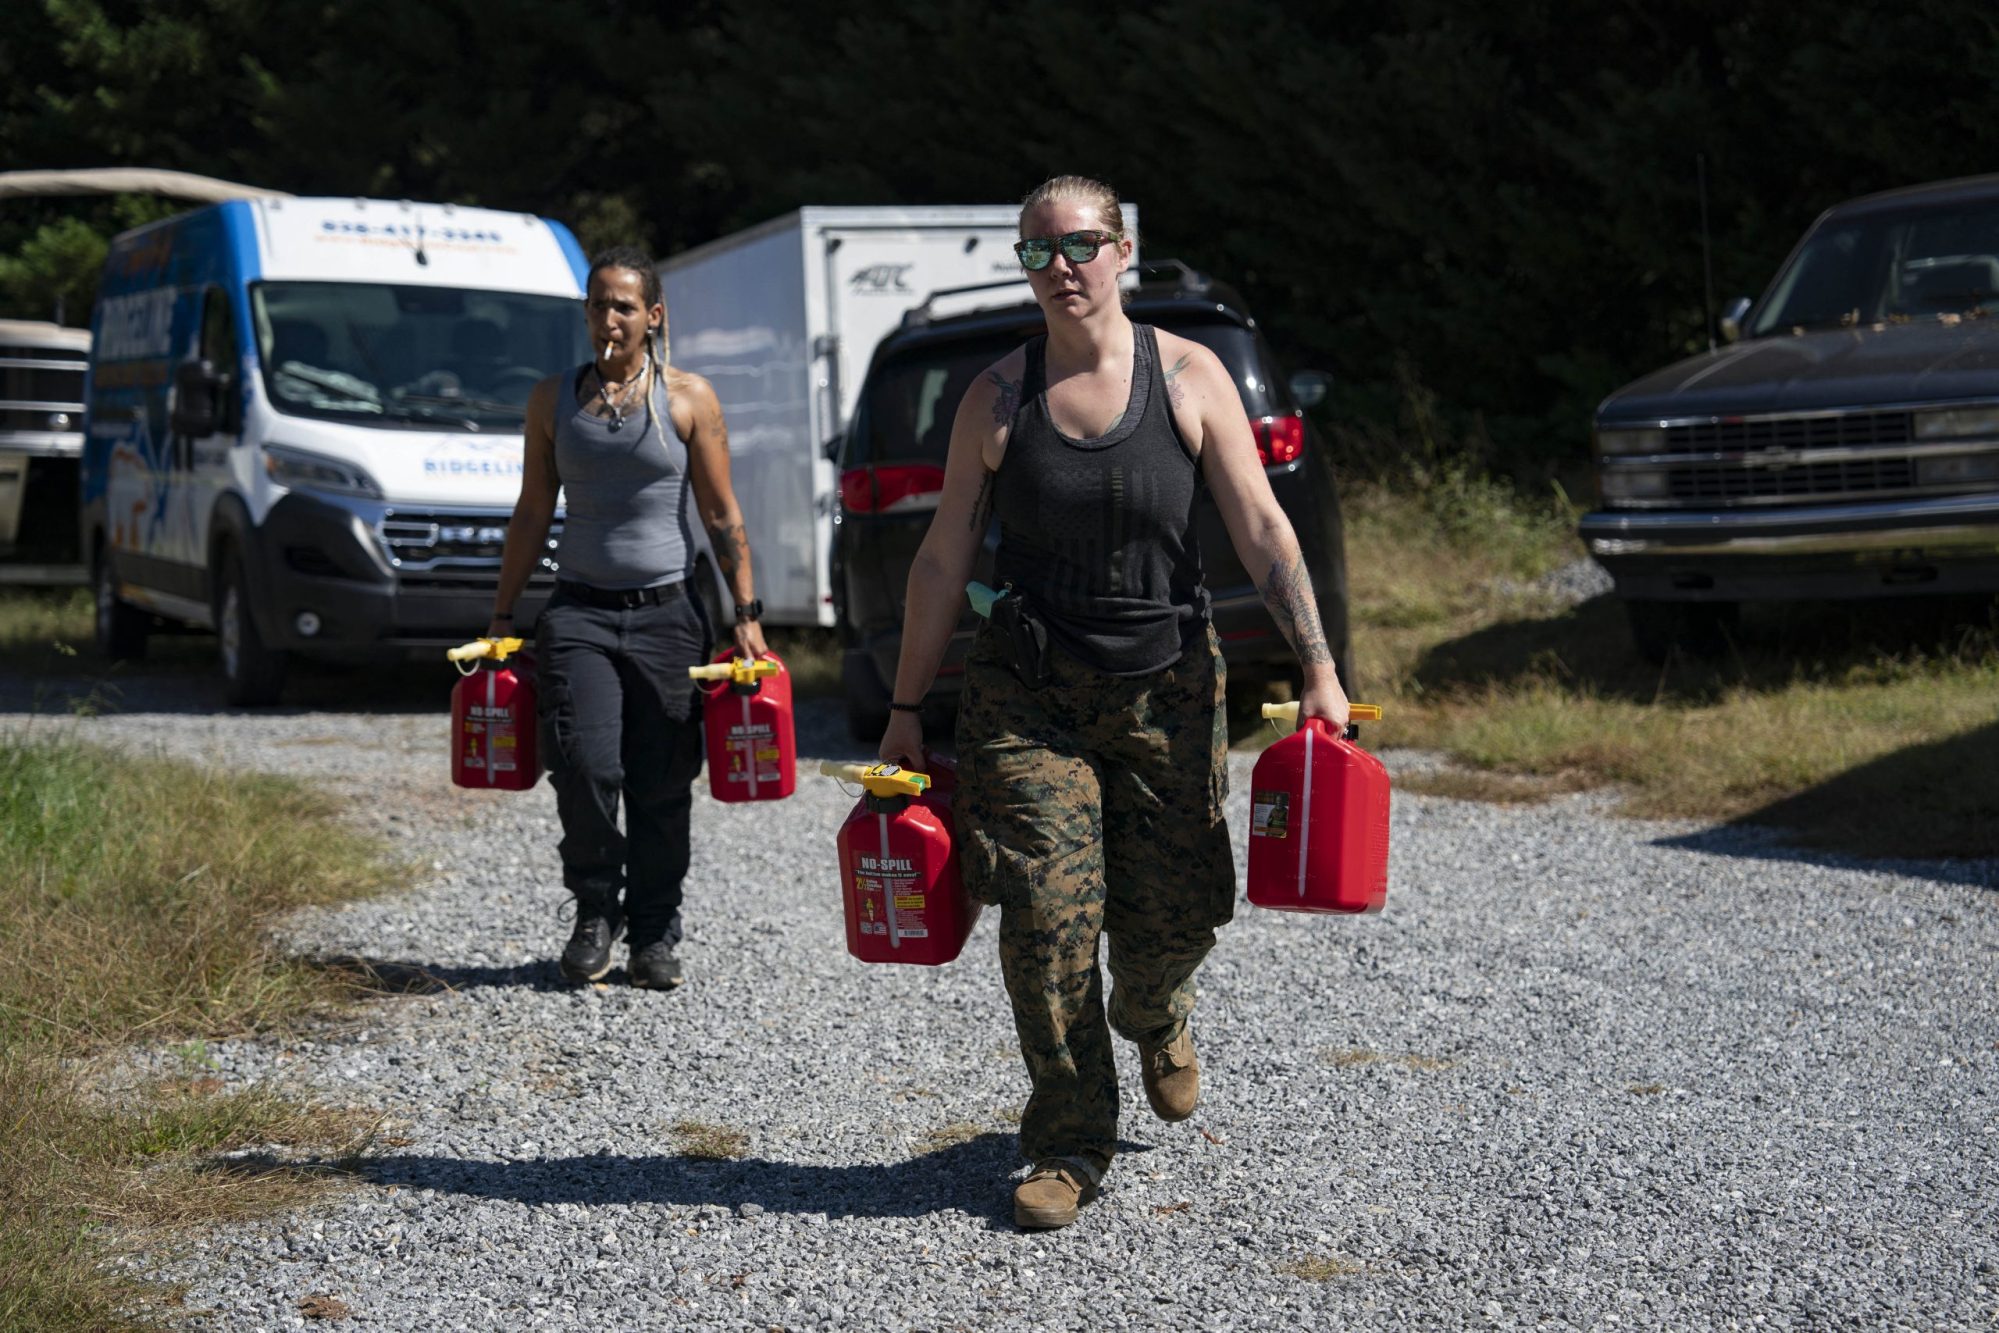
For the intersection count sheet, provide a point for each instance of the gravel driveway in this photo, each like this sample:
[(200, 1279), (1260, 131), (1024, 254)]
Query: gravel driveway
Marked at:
[(1584, 1072)]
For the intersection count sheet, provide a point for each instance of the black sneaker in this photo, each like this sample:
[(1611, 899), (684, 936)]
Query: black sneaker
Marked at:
[(588, 955), (655, 968)]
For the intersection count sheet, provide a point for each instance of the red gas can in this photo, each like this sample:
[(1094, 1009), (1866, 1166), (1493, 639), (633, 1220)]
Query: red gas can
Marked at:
[(899, 882), (752, 744), (1318, 826), (493, 719)]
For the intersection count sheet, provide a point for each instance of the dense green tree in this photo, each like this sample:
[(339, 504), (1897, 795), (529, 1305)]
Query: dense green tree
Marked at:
[(1490, 212)]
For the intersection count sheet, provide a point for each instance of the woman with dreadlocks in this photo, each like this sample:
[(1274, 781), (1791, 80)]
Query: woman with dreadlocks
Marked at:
[(629, 441)]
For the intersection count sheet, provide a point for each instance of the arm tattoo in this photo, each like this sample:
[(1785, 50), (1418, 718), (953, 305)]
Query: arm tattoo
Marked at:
[(1007, 401), (982, 507), (732, 546), (1288, 594), (1174, 392)]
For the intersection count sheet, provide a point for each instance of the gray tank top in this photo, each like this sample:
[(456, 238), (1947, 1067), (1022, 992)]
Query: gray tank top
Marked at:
[(1100, 534), (624, 491)]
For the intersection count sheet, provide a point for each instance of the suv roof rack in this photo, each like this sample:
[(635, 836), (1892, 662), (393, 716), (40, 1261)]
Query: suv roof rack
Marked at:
[(1189, 281)]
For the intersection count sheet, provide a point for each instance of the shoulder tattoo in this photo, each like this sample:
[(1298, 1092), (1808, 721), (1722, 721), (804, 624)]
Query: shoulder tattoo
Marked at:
[(1175, 392), (1006, 403)]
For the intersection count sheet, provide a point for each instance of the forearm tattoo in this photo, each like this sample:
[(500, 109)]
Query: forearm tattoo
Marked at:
[(1288, 594), (732, 546), (1007, 401), (982, 507), (1174, 392)]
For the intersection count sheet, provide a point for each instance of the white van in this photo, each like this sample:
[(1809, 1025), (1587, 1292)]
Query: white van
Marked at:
[(304, 424)]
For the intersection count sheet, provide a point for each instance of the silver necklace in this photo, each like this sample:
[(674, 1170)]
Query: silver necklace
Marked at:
[(614, 415)]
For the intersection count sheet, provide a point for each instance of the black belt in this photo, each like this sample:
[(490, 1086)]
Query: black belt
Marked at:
[(619, 599)]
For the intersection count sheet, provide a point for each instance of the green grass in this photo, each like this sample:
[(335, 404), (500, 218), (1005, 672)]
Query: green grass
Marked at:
[(141, 896), (713, 1143), (34, 618), (812, 656), (1862, 728)]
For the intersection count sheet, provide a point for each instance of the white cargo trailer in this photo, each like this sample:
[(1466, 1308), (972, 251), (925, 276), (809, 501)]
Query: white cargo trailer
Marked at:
[(782, 319)]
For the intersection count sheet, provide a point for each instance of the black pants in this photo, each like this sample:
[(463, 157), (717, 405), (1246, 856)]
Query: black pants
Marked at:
[(619, 718)]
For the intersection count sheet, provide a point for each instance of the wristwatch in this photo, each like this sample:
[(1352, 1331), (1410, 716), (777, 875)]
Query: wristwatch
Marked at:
[(750, 610)]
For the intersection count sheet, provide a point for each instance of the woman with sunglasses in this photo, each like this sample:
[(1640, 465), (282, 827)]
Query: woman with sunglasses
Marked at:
[(1092, 734)]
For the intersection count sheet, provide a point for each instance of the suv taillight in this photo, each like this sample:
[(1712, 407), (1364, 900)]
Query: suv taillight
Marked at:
[(1278, 439), (894, 486)]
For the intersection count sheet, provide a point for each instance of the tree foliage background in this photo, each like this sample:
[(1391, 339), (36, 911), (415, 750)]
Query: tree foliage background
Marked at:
[(1479, 218)]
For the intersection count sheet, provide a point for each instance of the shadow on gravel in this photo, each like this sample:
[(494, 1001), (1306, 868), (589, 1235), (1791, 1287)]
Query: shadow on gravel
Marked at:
[(388, 976), (1928, 811), (966, 1178)]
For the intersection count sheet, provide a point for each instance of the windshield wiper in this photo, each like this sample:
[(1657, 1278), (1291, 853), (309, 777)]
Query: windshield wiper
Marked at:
[(404, 410), (460, 400)]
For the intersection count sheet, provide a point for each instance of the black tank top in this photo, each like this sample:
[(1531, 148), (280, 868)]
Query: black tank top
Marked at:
[(1100, 533)]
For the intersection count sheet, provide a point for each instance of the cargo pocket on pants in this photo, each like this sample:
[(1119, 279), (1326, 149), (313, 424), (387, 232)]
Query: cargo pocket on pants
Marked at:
[(557, 717)]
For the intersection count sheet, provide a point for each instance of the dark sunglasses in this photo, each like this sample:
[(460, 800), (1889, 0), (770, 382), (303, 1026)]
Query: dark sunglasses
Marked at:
[(1078, 247)]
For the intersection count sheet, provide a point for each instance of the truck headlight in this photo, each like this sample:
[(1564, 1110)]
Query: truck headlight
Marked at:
[(1957, 422), (298, 470), (1641, 441), (1957, 470), (1636, 484)]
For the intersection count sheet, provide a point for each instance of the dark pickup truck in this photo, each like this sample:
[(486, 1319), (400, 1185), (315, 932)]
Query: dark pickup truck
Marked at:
[(1846, 443)]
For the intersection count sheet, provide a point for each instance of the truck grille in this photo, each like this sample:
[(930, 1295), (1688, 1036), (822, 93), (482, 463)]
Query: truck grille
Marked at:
[(1846, 430), (1706, 483)]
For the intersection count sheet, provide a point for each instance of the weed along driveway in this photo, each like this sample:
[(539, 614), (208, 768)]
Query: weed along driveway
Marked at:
[(1583, 1071)]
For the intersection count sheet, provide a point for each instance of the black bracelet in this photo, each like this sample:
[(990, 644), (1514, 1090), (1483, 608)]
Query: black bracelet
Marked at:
[(905, 708)]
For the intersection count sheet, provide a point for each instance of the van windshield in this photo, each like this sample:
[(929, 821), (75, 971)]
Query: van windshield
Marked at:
[(429, 356), (913, 399), (1890, 268)]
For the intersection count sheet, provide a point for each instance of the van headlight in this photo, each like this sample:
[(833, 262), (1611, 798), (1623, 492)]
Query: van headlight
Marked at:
[(298, 470), (1956, 423), (1650, 440)]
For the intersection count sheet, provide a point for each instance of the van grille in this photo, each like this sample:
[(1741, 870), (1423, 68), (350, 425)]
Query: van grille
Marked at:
[(1843, 431), (457, 552)]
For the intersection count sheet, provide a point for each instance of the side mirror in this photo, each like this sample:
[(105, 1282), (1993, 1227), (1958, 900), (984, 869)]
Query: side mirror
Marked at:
[(1731, 319), (195, 393), (1310, 387), (831, 449)]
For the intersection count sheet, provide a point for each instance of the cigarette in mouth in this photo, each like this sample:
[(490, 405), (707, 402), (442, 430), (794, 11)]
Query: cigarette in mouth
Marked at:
[(607, 351)]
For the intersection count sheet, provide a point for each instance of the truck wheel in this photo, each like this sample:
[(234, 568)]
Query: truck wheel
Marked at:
[(867, 701), (1698, 629), (121, 628), (251, 673)]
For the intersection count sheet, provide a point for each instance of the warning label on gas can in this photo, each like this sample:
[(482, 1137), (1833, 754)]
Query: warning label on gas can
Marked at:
[(1270, 814)]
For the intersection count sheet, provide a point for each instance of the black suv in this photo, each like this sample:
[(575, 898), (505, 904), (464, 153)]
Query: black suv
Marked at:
[(891, 463)]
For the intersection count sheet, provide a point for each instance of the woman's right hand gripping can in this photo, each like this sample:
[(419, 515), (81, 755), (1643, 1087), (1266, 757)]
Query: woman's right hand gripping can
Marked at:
[(1318, 827)]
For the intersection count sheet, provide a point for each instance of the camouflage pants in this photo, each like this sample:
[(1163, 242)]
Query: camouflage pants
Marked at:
[(1094, 806)]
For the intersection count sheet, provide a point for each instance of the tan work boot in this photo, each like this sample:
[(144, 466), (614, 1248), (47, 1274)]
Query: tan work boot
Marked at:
[(1050, 1194), (1172, 1076)]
